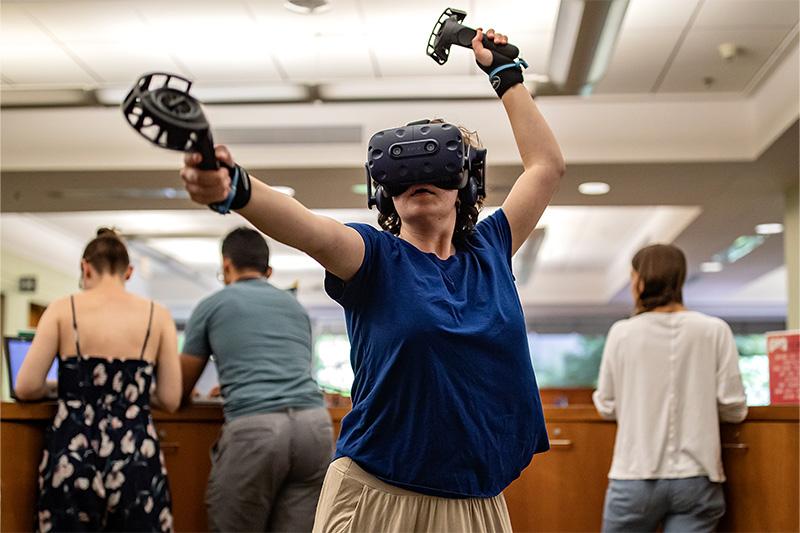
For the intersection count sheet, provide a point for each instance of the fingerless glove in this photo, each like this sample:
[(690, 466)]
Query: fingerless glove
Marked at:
[(504, 73)]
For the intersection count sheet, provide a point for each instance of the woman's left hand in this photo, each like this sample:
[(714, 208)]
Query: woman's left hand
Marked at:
[(482, 54)]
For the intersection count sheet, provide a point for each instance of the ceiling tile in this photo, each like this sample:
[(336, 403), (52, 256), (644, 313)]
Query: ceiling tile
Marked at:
[(30, 56), (396, 57), (343, 17), (326, 57), (698, 58), (214, 41), (251, 64), (120, 63), (316, 47), (91, 21), (638, 59), (645, 14), (399, 38), (514, 16), (747, 14), (17, 27)]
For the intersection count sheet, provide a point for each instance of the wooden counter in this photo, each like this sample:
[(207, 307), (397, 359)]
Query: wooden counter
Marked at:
[(561, 490), (185, 437), (564, 489)]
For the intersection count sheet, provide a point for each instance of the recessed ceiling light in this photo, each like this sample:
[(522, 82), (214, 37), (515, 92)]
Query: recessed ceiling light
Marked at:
[(769, 229), (359, 189), (711, 266), (594, 188), (288, 191), (307, 7)]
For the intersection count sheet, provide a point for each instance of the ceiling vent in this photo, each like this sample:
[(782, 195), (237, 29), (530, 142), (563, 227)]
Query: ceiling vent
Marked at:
[(290, 135)]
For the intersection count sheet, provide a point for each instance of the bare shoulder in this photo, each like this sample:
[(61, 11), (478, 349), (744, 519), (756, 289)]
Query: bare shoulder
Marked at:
[(160, 312), (60, 308)]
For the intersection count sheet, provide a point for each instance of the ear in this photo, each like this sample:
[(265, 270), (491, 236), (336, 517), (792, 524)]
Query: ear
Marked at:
[(268, 273), (637, 283), (86, 268), (227, 264), (128, 272)]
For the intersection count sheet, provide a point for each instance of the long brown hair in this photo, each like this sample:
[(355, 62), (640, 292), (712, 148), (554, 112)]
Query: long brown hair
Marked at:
[(466, 215), (662, 271), (107, 253)]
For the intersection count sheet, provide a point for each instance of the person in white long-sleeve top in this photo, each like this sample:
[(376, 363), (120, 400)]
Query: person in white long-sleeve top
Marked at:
[(668, 377)]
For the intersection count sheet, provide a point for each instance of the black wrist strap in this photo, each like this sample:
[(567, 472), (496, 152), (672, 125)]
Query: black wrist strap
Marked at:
[(240, 192), (504, 73)]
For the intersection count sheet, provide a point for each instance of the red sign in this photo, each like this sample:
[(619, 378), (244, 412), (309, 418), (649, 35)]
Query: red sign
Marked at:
[(784, 367)]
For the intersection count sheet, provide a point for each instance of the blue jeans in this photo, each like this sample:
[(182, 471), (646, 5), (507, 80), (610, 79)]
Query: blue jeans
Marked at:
[(682, 505)]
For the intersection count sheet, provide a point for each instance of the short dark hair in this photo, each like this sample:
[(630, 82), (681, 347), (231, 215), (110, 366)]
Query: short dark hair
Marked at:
[(662, 271), (247, 249), (107, 253)]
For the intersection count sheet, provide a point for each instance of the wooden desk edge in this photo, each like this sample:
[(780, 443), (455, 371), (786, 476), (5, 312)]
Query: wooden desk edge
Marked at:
[(19, 411)]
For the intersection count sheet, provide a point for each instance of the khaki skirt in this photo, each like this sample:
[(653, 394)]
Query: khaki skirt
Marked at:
[(354, 501)]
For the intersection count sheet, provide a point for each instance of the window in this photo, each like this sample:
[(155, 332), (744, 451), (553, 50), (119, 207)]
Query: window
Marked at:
[(566, 360), (754, 366), (331, 363), (561, 360)]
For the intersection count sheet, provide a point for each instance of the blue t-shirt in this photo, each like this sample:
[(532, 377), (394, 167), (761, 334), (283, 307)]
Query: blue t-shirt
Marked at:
[(445, 401)]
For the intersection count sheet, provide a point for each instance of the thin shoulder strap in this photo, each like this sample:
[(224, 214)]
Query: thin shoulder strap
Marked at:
[(75, 325), (149, 326)]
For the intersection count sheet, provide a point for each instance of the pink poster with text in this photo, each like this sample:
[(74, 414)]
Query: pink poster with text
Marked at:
[(784, 367)]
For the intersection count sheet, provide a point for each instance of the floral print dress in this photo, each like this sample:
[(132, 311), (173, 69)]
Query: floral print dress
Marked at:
[(102, 467)]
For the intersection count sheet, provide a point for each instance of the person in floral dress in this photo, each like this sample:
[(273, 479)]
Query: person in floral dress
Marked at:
[(102, 467)]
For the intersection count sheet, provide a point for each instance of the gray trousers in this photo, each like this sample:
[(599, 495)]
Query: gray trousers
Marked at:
[(692, 504), (267, 471)]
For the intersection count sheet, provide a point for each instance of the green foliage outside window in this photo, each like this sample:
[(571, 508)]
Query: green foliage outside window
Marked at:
[(560, 360)]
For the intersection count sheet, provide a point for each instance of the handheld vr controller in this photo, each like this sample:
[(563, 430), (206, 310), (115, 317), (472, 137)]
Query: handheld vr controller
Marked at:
[(448, 31), (423, 152), (160, 108)]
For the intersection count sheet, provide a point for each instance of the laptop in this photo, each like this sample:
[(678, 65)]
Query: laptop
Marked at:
[(15, 350)]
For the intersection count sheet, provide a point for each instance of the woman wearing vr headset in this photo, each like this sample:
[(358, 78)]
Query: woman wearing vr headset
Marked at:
[(446, 411)]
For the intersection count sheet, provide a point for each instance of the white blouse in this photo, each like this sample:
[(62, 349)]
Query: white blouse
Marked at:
[(668, 379)]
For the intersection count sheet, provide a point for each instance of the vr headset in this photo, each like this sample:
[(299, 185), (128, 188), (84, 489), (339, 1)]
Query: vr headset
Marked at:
[(422, 152)]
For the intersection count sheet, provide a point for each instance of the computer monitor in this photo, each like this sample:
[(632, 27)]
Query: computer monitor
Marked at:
[(16, 349)]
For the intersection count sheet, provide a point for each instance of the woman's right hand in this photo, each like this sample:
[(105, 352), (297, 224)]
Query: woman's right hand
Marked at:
[(207, 186)]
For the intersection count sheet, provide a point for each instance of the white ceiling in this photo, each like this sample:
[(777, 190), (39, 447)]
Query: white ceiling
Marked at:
[(664, 46), (652, 107)]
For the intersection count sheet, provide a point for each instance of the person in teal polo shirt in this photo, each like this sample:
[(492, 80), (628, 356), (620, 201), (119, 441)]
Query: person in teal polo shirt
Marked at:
[(270, 459)]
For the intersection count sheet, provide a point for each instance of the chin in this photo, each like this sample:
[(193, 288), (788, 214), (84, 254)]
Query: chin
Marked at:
[(419, 213)]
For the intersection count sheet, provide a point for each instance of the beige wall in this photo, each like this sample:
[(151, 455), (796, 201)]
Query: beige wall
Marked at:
[(50, 285), (791, 248)]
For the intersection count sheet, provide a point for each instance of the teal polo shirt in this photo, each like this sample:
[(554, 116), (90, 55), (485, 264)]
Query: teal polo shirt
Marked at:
[(261, 340)]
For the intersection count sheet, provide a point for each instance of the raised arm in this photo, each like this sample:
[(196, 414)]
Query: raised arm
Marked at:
[(605, 398), (31, 381), (731, 399), (541, 156), (335, 246)]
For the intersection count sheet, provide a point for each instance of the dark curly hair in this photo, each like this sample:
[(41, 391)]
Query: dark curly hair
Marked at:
[(466, 215)]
